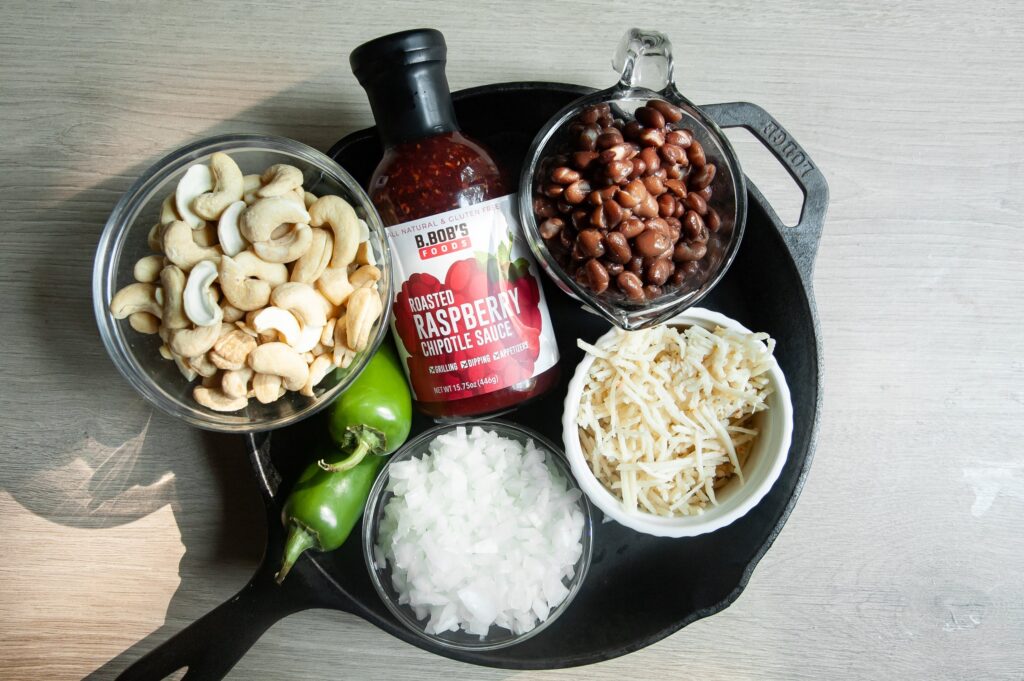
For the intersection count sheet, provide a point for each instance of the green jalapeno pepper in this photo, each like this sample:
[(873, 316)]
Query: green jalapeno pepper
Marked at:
[(368, 421)]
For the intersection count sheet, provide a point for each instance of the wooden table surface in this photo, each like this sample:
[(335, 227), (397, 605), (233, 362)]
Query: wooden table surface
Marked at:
[(904, 557)]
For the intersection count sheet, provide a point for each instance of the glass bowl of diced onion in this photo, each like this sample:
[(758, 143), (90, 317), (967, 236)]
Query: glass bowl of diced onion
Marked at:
[(674, 489), (436, 603)]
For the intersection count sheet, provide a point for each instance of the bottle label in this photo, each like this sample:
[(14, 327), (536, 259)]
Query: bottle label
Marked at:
[(470, 316)]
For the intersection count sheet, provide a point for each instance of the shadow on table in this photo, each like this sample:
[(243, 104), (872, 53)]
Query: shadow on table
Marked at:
[(116, 467)]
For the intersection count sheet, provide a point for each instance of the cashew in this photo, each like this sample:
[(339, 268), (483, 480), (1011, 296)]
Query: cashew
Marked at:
[(318, 350), (364, 306), (336, 212), (168, 213), (365, 276), (144, 322), (231, 314), (318, 370), (276, 319), (334, 284), (227, 187), (343, 354), (198, 300), (194, 342), (364, 254), (155, 238), (297, 195), (196, 180), (205, 236), (308, 198), (183, 366), (279, 179), (327, 337), (172, 283), (231, 349), (135, 298), (279, 359), (181, 248), (309, 337), (240, 289), (266, 387), (165, 351), (250, 184), (314, 261), (202, 365), (147, 269), (231, 240), (303, 301), (287, 248), (235, 383), (217, 400), (259, 220)]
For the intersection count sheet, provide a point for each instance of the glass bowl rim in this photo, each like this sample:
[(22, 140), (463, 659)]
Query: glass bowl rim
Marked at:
[(415, 445)]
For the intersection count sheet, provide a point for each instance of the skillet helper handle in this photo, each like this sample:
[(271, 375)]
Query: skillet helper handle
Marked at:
[(213, 644), (802, 240)]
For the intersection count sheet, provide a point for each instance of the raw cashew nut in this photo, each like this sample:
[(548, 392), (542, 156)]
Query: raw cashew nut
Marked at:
[(231, 313), (197, 180), (364, 254), (314, 261), (205, 236), (227, 187), (301, 300), (168, 213), (172, 283), (266, 387), (155, 238), (365, 276), (343, 354), (309, 199), (250, 184), (200, 306), (231, 240), (287, 248), (279, 179), (334, 284), (275, 319), (217, 400), (187, 371), (232, 348), (318, 370), (147, 269), (336, 212), (194, 342), (135, 298), (203, 366), (181, 248), (235, 383), (364, 307), (246, 280), (327, 337), (259, 220), (143, 322), (278, 359)]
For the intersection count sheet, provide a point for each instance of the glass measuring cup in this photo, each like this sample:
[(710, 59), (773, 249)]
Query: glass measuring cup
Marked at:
[(644, 61)]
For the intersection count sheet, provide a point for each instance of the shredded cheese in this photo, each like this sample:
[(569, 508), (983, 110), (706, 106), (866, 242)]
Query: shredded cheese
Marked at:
[(665, 416)]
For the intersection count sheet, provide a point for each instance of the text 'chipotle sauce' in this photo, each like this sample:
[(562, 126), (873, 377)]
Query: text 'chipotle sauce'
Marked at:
[(470, 319)]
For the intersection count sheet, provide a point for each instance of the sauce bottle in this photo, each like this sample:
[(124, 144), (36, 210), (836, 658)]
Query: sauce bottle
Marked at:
[(470, 320)]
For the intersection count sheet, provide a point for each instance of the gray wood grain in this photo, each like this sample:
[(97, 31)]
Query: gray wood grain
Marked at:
[(118, 526)]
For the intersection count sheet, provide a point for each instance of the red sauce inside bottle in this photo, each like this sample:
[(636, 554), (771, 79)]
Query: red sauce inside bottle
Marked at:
[(430, 176)]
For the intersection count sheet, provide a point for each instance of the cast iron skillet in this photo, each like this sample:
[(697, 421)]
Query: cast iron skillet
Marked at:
[(633, 595)]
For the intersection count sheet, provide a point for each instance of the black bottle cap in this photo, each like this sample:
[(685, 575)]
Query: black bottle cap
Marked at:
[(403, 75)]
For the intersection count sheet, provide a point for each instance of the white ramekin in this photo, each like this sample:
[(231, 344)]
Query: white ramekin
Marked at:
[(734, 500)]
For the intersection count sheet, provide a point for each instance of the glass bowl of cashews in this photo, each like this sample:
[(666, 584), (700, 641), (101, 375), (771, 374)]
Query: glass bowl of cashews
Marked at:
[(242, 282)]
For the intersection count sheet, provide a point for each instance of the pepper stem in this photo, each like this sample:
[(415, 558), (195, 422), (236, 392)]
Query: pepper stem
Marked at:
[(367, 440), (299, 539)]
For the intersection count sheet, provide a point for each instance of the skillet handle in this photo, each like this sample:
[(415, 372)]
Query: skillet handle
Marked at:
[(213, 644), (802, 240)]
